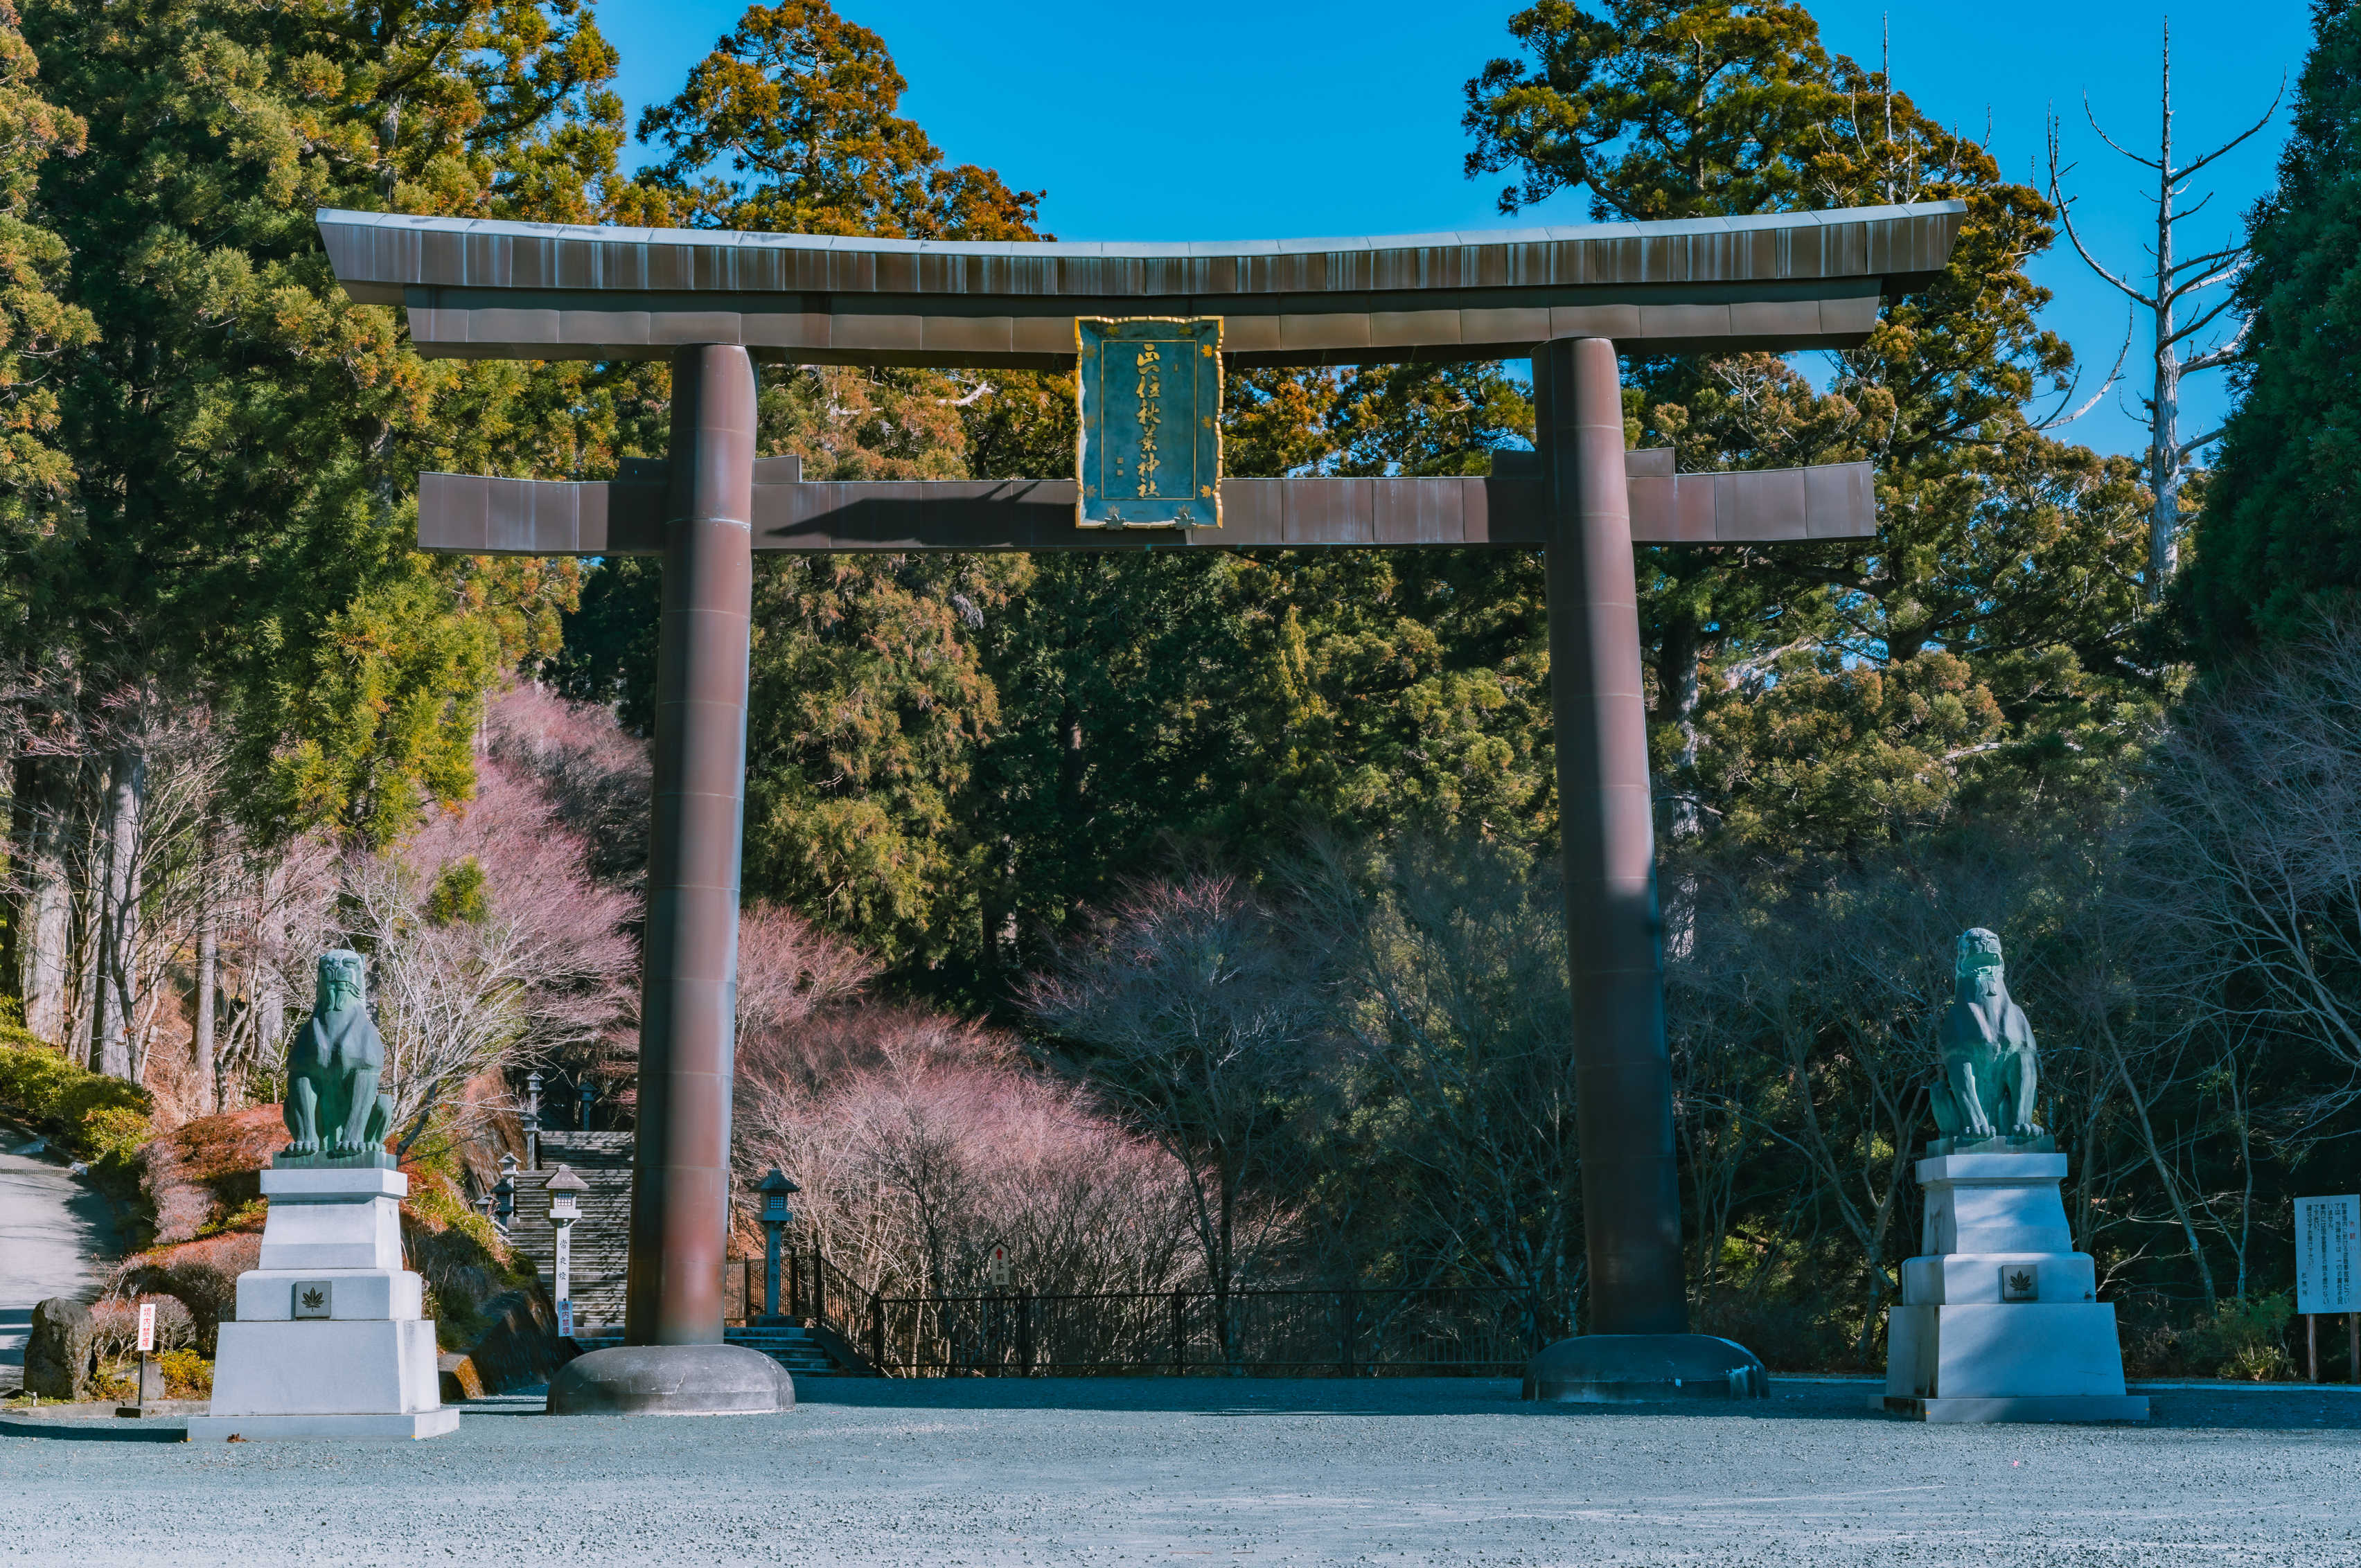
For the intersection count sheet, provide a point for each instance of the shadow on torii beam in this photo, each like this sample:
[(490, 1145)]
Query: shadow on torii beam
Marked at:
[(469, 515)]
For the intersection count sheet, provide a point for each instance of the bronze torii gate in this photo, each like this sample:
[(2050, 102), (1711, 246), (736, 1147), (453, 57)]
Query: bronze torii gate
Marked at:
[(712, 302)]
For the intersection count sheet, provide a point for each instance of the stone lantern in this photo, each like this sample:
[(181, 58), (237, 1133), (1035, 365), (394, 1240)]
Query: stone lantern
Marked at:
[(504, 1196), (532, 1120), (775, 1190), (566, 1190)]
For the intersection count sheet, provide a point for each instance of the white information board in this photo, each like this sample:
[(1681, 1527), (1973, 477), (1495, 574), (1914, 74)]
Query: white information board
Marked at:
[(1000, 1268), (2328, 1254), (146, 1327)]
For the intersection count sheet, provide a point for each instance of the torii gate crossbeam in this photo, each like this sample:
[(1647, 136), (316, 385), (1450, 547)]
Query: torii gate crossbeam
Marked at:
[(713, 302)]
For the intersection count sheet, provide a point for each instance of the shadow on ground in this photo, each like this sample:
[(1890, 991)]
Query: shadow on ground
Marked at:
[(2228, 1406)]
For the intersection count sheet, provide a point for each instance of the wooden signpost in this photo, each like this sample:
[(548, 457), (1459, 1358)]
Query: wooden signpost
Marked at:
[(150, 1387), (2328, 1275)]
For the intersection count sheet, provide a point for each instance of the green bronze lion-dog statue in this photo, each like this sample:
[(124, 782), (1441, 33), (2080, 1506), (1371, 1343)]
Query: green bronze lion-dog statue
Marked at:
[(1984, 1098), (333, 1109)]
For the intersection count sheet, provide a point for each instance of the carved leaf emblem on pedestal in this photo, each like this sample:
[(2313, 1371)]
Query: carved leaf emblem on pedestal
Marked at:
[(313, 1299)]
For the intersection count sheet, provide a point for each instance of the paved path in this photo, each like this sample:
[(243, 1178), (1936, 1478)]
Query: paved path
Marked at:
[(1004, 1474), (55, 1234)]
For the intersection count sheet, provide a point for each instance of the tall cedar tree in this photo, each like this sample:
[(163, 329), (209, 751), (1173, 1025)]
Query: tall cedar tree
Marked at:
[(39, 330), (247, 439), (1834, 694), (950, 754), (869, 700), (2282, 541)]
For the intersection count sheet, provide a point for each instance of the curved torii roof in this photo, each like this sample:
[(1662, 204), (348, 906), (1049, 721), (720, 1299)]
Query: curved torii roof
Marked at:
[(477, 288)]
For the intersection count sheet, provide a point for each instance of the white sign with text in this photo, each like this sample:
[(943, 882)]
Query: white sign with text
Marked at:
[(146, 1327), (2328, 1254)]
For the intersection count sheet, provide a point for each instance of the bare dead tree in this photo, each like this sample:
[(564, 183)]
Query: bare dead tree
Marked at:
[(1454, 1005), (2171, 286), (488, 945), (2242, 862), (923, 1142), (1199, 1014)]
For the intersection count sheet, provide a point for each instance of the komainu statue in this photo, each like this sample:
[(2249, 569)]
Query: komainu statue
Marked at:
[(334, 1109), (1985, 1097)]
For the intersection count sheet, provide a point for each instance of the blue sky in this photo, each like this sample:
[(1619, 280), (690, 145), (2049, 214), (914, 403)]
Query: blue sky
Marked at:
[(1308, 117)]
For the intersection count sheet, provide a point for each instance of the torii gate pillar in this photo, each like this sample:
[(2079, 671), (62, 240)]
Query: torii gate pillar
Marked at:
[(1638, 1345), (673, 1358)]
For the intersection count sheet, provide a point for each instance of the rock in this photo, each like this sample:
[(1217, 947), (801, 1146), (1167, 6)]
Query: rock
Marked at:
[(60, 1355), (459, 1378), (521, 1348)]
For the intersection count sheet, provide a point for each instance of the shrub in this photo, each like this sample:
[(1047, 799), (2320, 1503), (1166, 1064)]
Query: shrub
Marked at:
[(2242, 1338), (201, 1275), (48, 1089), (2246, 1338), (248, 1216), (187, 1375), (115, 1327), (114, 1133), (464, 1261)]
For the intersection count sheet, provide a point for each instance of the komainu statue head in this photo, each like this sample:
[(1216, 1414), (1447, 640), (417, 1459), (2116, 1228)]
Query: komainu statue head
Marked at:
[(1977, 971), (342, 982), (1985, 1095), (334, 1113)]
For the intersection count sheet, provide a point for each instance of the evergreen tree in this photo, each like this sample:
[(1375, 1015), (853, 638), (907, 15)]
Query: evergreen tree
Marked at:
[(2280, 538), (248, 439), (2007, 553), (37, 328), (869, 698)]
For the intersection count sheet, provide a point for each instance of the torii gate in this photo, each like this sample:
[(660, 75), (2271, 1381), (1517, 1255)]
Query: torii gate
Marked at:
[(712, 302)]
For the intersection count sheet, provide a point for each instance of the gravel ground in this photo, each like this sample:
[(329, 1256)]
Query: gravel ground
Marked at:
[(1135, 1472)]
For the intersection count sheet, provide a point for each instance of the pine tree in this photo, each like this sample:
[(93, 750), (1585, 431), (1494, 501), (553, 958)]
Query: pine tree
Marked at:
[(2279, 541)]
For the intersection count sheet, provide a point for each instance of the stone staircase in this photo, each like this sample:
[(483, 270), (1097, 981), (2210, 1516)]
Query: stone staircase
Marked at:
[(793, 1348)]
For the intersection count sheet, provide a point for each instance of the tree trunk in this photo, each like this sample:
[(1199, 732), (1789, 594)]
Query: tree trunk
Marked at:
[(2164, 462), (209, 1085), (43, 931), (2165, 1175), (1677, 704), (266, 993), (1232, 1352), (127, 786)]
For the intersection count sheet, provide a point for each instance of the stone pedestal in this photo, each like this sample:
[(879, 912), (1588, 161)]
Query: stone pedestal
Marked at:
[(2000, 1321), (331, 1339)]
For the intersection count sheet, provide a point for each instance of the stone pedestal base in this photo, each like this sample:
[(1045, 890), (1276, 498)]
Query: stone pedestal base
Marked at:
[(330, 1339), (254, 1429), (2032, 1408), (1630, 1369), (672, 1380), (2000, 1321)]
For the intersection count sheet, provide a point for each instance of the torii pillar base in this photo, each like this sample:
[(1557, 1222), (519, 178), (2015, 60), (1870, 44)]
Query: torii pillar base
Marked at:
[(672, 1380), (1632, 1369)]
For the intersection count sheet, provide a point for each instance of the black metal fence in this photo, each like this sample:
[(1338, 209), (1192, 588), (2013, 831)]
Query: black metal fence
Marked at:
[(1472, 1331)]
